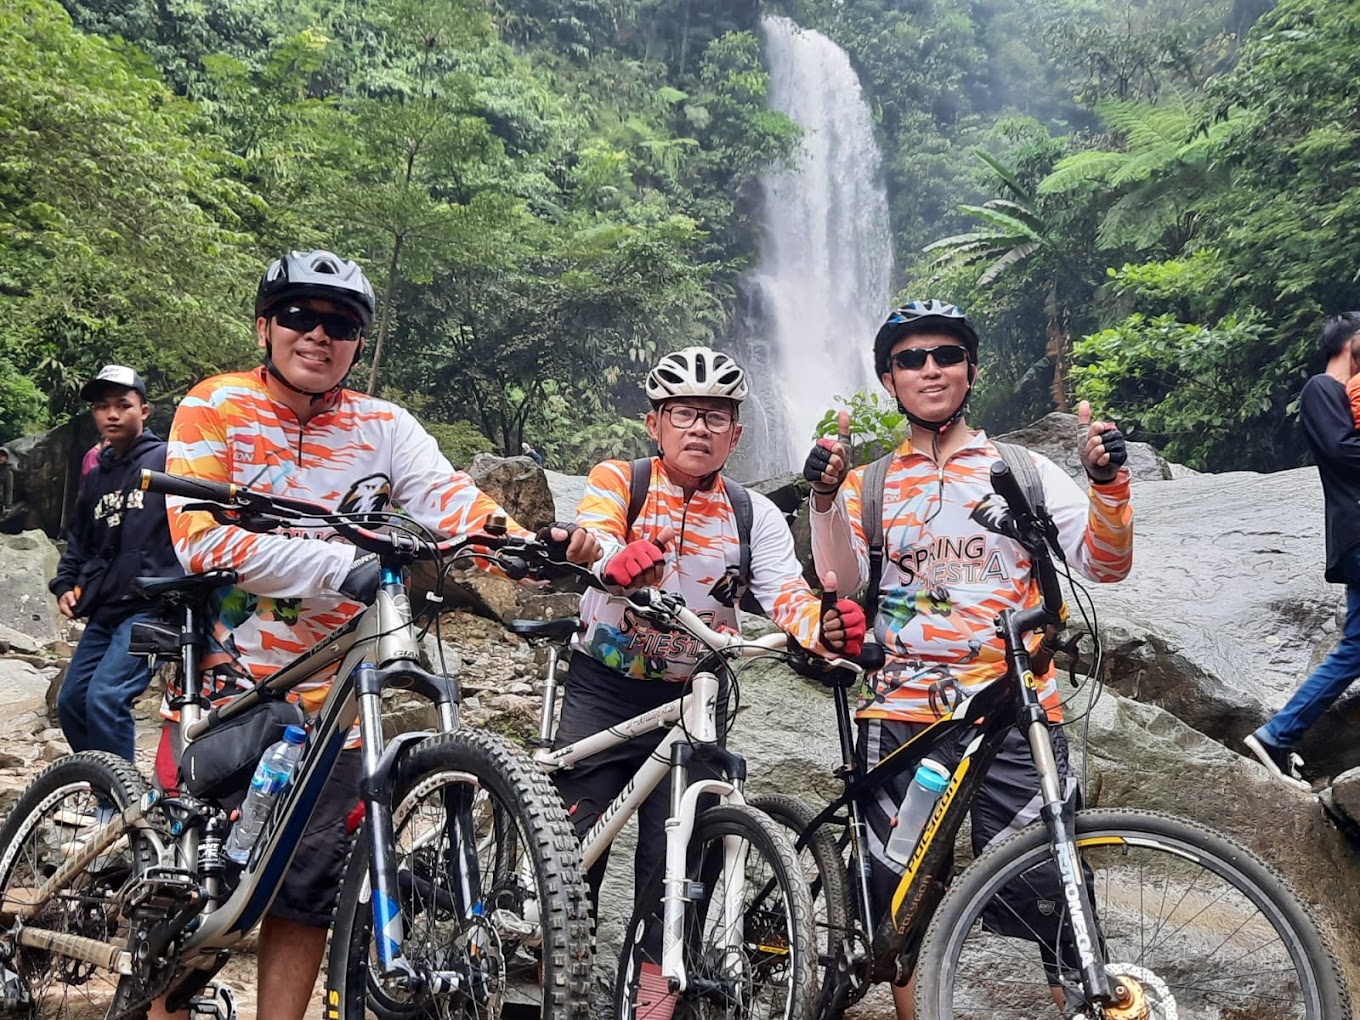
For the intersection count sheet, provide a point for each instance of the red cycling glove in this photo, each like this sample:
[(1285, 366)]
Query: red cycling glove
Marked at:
[(632, 561), (852, 621)]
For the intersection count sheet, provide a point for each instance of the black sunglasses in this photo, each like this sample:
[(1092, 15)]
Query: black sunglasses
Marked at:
[(913, 359), (304, 320)]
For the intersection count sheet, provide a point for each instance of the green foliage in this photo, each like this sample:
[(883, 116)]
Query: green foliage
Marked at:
[(119, 215), (876, 424), (22, 405), (459, 441), (1165, 382)]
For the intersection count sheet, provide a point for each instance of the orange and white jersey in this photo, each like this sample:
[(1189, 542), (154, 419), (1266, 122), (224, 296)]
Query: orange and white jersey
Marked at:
[(945, 578), (359, 454), (706, 543)]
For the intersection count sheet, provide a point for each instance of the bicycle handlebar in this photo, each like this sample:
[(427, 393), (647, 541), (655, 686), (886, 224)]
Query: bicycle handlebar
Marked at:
[(256, 510), (518, 557), (1032, 531)]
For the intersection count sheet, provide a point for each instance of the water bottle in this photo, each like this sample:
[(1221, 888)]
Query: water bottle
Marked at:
[(271, 776), (930, 781)]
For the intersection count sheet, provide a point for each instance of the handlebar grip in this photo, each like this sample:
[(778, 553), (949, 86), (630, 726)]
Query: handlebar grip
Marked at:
[(1005, 485), (192, 488)]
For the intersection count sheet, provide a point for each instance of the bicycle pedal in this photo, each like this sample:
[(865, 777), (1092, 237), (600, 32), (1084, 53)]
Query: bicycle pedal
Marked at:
[(160, 889), (214, 1002)]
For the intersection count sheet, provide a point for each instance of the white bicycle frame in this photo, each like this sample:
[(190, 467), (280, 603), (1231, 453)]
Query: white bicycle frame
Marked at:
[(698, 711)]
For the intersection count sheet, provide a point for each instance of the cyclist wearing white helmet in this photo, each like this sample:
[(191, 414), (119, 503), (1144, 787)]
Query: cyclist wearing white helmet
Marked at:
[(676, 522)]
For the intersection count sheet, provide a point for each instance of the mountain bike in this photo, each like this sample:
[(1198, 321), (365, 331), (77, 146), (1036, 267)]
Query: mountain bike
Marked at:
[(728, 925), (465, 874), (1139, 914)]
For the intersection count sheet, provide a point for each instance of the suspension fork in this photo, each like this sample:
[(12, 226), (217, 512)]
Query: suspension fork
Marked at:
[(1058, 811)]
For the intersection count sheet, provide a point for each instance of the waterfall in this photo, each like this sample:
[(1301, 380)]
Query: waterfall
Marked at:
[(823, 283)]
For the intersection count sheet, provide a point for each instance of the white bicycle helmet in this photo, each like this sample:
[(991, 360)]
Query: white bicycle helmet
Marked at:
[(696, 372)]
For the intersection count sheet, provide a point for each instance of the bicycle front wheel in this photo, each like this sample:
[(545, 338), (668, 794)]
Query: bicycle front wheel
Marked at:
[(747, 942), (1193, 925), (490, 885)]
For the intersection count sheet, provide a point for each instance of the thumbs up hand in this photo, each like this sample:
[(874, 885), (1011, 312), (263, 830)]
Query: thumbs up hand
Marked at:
[(829, 460), (1101, 444)]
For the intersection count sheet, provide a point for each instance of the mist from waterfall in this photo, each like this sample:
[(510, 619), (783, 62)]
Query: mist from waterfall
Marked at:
[(823, 282)]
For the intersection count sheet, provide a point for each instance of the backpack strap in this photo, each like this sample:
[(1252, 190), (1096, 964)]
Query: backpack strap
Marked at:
[(1017, 458), (639, 481), (871, 521), (745, 515)]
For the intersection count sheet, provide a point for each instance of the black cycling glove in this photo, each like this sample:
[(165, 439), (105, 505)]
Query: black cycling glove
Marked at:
[(1118, 450), (557, 550), (817, 462), (361, 583)]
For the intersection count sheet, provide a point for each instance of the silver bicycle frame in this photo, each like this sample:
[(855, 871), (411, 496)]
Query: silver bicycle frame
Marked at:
[(698, 710)]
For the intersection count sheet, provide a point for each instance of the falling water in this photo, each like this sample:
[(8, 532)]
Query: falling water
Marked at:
[(824, 278)]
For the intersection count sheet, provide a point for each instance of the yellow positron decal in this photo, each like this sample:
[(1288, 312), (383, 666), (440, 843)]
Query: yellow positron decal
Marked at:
[(928, 834), (1029, 680)]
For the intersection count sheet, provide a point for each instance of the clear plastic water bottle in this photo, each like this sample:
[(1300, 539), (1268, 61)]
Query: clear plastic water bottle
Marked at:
[(271, 776), (930, 781)]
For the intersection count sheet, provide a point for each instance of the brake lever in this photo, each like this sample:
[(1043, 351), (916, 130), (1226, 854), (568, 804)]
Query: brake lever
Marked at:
[(234, 518)]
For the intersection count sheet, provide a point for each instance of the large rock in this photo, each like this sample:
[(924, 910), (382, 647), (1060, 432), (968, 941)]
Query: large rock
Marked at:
[(567, 491), (1219, 618), (519, 485), (788, 492), (27, 562), (1055, 436), (1140, 756), (23, 688)]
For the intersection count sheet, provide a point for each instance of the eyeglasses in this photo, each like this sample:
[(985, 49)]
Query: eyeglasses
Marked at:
[(304, 320), (682, 417), (913, 359)]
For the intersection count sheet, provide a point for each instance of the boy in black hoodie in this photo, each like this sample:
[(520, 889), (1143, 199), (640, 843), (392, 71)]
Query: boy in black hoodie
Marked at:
[(117, 532)]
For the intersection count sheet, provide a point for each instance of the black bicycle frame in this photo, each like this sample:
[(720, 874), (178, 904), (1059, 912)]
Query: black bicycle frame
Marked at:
[(355, 695), (1012, 700)]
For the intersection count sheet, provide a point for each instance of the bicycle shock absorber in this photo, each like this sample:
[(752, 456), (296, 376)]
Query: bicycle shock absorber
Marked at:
[(212, 860)]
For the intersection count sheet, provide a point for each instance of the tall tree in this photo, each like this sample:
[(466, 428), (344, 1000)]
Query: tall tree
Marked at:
[(1015, 234)]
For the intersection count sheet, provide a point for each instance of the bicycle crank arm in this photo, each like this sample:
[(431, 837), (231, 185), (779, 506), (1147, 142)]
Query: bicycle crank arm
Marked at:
[(78, 947)]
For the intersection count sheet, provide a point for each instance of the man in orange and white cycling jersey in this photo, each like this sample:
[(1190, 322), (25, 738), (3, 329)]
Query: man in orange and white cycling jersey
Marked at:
[(291, 428), (684, 538), (945, 578)]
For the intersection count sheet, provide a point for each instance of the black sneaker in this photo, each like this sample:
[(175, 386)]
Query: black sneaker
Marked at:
[(1281, 762)]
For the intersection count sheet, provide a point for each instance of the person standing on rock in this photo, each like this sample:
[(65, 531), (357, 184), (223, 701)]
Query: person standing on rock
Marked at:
[(944, 577), (291, 427), (117, 532), (6, 483), (674, 521), (1329, 426)]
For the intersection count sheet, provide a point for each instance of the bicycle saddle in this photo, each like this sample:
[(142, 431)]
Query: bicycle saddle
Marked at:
[(190, 586), (551, 630)]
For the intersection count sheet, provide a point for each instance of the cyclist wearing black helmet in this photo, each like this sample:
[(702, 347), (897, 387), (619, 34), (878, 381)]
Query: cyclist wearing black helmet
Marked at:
[(292, 427), (944, 577)]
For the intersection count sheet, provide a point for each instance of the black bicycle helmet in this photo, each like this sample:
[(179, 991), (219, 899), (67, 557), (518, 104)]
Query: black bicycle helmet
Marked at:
[(923, 317), (928, 317), (316, 274)]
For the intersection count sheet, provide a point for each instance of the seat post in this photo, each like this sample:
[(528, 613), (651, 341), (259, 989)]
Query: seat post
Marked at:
[(545, 720)]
